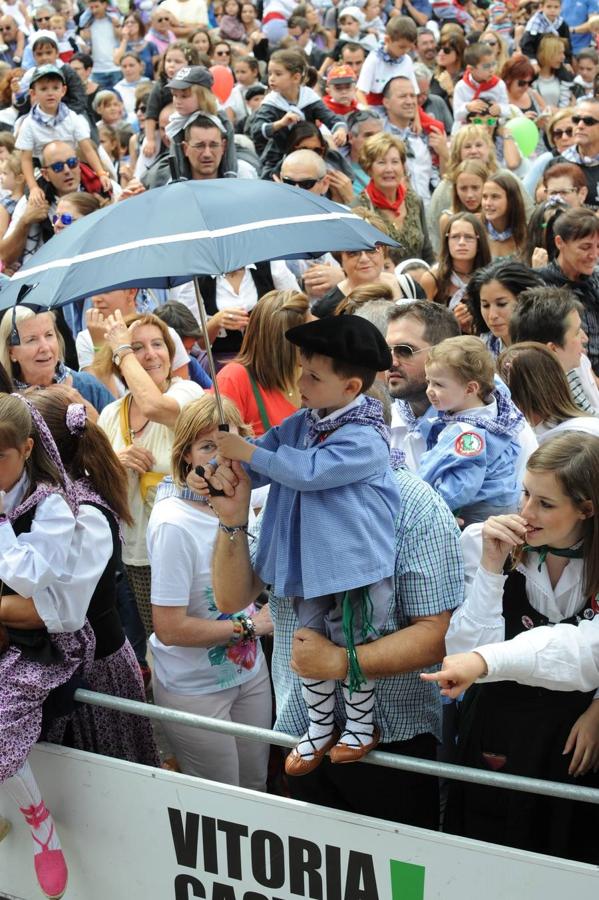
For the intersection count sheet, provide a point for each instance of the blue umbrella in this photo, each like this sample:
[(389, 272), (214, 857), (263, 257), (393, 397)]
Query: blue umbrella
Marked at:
[(167, 236)]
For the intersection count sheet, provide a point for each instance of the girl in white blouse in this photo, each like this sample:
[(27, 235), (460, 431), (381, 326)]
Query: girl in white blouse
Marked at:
[(44, 636), (537, 569)]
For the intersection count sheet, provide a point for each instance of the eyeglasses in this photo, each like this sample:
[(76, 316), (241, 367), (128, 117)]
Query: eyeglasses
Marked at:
[(589, 121), (142, 108), (563, 132), (305, 183), (404, 351), (64, 219), (446, 49), (478, 120), (467, 238), (213, 146), (42, 18), (562, 192), (222, 52), (72, 162), (524, 82), (354, 254)]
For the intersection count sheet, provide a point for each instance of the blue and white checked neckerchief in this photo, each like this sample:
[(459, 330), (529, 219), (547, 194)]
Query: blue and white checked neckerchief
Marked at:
[(42, 118), (407, 415), (498, 235), (540, 24), (509, 419), (368, 412), (386, 57)]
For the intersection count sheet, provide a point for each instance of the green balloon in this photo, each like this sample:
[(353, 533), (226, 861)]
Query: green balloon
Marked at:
[(525, 134)]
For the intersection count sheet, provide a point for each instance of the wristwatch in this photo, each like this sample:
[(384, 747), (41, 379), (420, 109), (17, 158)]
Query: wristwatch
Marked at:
[(119, 355)]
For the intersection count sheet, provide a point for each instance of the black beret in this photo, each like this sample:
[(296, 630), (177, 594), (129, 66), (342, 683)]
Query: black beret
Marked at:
[(349, 339)]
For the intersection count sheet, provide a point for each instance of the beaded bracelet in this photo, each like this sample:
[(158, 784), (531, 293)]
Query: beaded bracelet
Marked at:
[(238, 633)]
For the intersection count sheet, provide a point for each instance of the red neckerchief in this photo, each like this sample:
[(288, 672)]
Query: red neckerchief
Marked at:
[(381, 202), (480, 87), (339, 108)]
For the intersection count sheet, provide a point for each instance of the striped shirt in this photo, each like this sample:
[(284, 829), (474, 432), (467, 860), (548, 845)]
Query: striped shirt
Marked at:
[(429, 579)]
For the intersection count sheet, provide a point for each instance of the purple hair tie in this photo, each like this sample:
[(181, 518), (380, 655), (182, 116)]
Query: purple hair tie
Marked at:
[(76, 418)]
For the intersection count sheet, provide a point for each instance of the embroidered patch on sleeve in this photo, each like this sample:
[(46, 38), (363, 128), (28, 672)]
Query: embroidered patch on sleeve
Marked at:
[(468, 444)]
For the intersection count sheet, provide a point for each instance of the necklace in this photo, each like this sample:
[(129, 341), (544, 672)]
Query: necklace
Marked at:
[(139, 430)]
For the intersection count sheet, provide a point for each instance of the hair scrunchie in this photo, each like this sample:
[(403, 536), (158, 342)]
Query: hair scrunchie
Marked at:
[(76, 418)]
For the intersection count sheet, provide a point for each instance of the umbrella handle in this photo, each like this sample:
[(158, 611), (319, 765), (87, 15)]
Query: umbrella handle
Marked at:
[(211, 490)]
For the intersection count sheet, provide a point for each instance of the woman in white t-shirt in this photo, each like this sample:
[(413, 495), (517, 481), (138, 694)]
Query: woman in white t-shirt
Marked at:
[(140, 428), (204, 662)]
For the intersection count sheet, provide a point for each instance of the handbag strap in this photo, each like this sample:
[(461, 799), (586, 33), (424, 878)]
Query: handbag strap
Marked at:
[(259, 402)]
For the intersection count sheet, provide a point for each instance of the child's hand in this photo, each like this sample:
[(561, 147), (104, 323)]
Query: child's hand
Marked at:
[(289, 119), (458, 673), (494, 110), (37, 196), (476, 106), (148, 147), (234, 447), (339, 137), (106, 184)]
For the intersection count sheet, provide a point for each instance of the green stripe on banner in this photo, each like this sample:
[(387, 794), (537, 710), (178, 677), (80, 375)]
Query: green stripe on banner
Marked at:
[(407, 881)]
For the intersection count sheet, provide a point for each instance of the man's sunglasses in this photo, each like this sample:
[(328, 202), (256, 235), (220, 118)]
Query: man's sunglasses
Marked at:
[(64, 219), (586, 120), (305, 183), (563, 132), (404, 351), (72, 162)]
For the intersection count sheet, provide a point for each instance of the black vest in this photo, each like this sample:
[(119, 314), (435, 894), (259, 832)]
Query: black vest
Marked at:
[(262, 278), (102, 612)]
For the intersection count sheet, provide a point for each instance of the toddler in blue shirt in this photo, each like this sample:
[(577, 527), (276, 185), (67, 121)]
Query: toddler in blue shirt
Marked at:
[(328, 537), (472, 444)]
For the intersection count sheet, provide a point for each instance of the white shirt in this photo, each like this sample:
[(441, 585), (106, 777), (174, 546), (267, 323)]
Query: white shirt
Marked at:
[(226, 298), (375, 73), (180, 540), (190, 12), (588, 424), (479, 621), (34, 136), (587, 380), (65, 602)]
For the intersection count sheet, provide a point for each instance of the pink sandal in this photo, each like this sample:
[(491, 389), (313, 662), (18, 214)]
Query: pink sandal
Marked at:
[(50, 866)]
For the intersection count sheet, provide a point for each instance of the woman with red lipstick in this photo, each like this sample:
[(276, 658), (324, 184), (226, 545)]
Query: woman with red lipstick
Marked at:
[(537, 568)]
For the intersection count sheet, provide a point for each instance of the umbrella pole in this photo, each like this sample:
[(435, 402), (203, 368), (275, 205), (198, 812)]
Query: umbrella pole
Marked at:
[(204, 324)]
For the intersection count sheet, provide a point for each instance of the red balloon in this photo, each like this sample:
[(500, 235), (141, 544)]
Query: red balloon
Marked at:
[(223, 82)]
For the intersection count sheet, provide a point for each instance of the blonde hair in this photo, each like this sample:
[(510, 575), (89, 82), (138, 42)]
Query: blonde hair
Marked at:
[(13, 164), (468, 359), (467, 167), (195, 418), (548, 46), (265, 351), (206, 99), (21, 314), (377, 146), (468, 133)]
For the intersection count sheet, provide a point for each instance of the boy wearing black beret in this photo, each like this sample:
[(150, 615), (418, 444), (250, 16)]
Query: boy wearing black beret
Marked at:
[(327, 536)]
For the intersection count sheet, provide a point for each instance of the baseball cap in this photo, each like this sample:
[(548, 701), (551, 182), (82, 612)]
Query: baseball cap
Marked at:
[(190, 75), (341, 74), (48, 71)]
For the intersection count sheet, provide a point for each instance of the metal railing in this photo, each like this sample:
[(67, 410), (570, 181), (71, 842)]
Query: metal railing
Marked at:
[(375, 758)]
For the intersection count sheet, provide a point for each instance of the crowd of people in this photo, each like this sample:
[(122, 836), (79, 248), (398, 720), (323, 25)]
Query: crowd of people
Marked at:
[(412, 456)]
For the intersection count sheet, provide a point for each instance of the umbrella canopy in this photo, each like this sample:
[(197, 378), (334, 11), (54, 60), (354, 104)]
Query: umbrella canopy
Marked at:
[(166, 236)]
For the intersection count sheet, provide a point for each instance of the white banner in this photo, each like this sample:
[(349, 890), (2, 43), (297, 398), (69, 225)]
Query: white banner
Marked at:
[(134, 833)]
